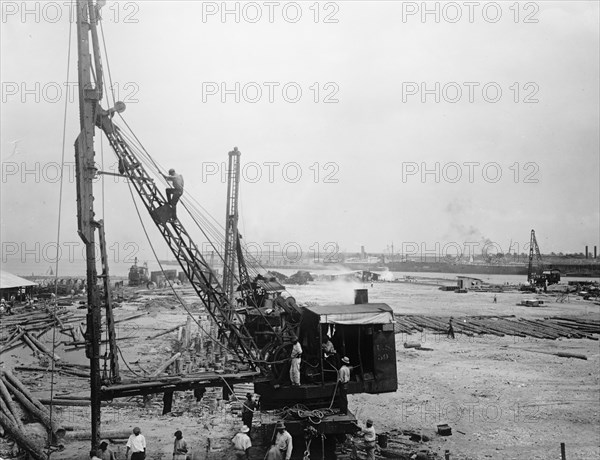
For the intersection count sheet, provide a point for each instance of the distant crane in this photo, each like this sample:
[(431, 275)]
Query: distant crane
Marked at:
[(538, 275)]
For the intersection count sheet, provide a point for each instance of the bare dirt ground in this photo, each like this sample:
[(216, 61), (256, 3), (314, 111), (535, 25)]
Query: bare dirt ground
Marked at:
[(502, 398)]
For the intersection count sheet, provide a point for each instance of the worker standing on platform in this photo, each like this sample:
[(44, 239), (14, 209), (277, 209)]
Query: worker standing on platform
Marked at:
[(296, 356), (329, 352), (283, 440), (174, 193), (343, 379)]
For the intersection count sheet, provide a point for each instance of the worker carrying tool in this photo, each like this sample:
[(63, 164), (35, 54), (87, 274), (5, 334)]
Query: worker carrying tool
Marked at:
[(174, 193), (370, 439)]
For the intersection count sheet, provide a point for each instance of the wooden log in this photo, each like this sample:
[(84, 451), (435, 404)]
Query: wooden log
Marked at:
[(14, 339), (41, 415), (70, 402), (188, 333), (164, 332), (10, 378), (17, 343), (43, 331), (561, 354), (166, 364), (6, 411), (5, 396), (30, 344), (21, 439), (42, 347), (86, 435), (59, 369), (390, 452), (130, 317)]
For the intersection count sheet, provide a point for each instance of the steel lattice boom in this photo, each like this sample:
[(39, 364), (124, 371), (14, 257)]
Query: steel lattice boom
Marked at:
[(204, 281)]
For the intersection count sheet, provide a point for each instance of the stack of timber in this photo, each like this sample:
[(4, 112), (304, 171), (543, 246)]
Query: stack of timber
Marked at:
[(25, 327), (547, 328), (15, 400)]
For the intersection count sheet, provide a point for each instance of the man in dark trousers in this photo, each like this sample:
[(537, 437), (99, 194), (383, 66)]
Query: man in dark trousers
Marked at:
[(450, 333), (174, 193), (137, 445), (343, 379), (248, 408)]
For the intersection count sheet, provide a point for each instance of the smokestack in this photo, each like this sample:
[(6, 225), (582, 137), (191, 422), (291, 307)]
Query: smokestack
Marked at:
[(586, 252), (361, 296), (595, 252)]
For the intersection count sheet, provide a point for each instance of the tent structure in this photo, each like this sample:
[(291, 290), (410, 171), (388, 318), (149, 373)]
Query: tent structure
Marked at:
[(12, 284)]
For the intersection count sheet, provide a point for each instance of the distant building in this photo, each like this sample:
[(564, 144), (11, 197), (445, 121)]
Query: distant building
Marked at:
[(466, 282), (14, 285)]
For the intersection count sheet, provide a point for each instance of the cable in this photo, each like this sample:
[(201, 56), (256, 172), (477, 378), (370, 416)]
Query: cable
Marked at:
[(127, 365), (210, 337), (60, 195)]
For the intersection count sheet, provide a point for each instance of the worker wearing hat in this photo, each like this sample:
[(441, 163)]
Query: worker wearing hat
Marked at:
[(104, 452), (248, 408), (283, 441), (370, 440), (180, 447), (296, 356), (242, 443), (343, 379)]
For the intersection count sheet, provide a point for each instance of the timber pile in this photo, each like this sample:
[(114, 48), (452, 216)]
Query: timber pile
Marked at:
[(25, 327), (399, 445), (16, 399), (547, 328)]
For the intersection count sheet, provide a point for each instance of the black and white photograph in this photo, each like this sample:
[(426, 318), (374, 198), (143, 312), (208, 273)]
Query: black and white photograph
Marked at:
[(299, 230)]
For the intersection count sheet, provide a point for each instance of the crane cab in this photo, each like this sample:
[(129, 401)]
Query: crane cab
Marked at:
[(362, 332)]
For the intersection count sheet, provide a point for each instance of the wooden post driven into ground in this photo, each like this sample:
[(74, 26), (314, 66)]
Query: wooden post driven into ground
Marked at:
[(90, 94)]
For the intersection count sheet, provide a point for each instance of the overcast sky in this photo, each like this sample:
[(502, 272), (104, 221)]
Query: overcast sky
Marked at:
[(499, 103)]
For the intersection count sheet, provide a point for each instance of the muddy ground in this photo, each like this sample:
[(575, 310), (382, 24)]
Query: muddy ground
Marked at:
[(501, 396)]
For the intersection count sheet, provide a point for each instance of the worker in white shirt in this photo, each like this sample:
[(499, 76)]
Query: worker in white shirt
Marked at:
[(370, 439), (343, 379), (242, 443), (137, 445), (296, 356)]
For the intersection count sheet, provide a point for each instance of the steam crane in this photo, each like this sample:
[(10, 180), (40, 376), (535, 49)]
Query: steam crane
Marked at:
[(364, 333), (538, 275)]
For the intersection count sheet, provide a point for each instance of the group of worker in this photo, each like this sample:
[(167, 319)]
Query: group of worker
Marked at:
[(281, 445), (329, 353), (136, 444)]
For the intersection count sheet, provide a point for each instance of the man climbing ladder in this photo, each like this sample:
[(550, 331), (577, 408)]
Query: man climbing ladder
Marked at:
[(174, 193)]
